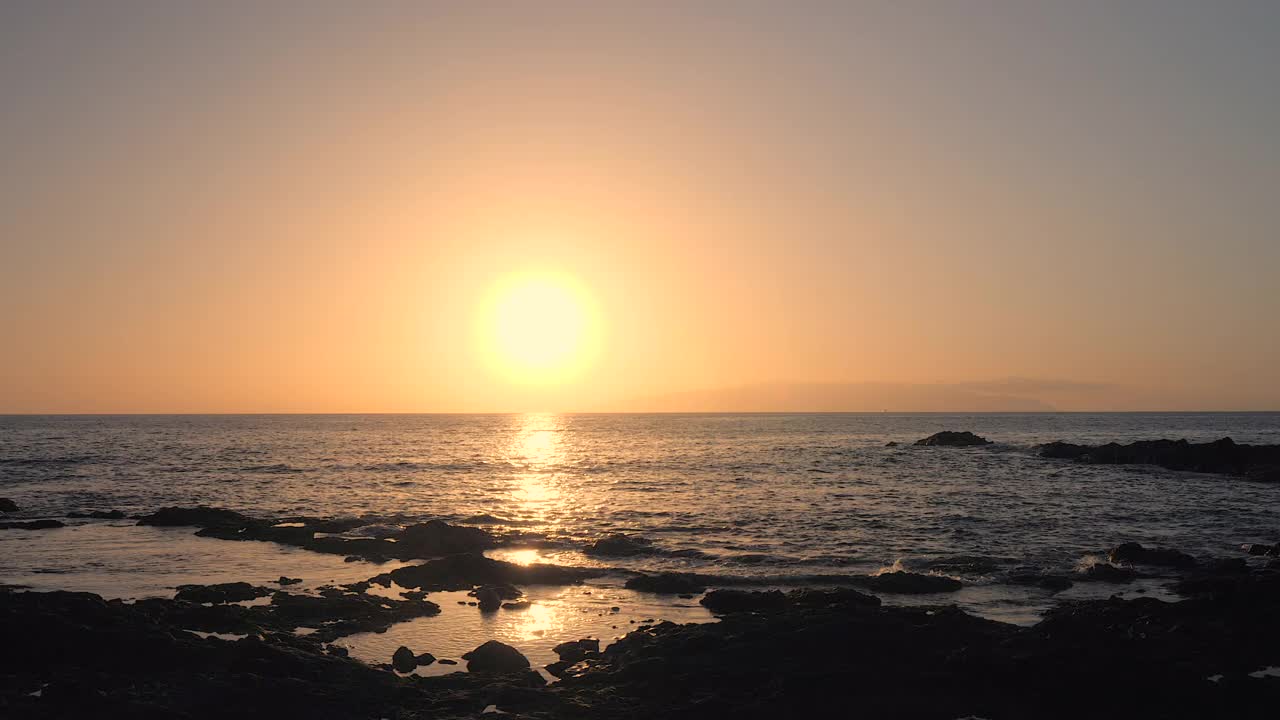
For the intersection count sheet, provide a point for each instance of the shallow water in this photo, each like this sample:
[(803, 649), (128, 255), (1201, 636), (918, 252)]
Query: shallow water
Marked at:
[(777, 497)]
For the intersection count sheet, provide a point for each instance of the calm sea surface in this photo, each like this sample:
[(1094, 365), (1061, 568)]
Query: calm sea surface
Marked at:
[(781, 497)]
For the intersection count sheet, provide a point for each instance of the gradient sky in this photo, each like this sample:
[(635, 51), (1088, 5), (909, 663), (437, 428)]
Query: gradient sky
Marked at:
[(271, 206)]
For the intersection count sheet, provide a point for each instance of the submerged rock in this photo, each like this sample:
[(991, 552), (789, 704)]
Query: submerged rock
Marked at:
[(1134, 553), (495, 657), (1104, 572), (667, 583), (951, 438), (32, 525), (7, 505), (98, 515), (908, 583)]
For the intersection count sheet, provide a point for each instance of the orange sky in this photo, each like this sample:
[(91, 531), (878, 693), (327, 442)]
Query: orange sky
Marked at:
[(215, 211)]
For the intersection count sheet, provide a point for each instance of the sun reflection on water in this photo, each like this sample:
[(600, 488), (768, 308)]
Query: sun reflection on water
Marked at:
[(536, 451)]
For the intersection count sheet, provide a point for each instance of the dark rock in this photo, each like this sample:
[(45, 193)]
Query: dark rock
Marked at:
[(202, 516), (950, 438), (668, 583), (7, 505), (1266, 474), (1052, 583), (1220, 456), (620, 545), (31, 525), (577, 650), (908, 583), (1261, 549), (488, 599), (519, 605), (1104, 572), (463, 572), (446, 661), (495, 657), (437, 537), (403, 660), (891, 443), (98, 515), (424, 659), (1134, 553), (288, 581), (220, 593), (734, 601)]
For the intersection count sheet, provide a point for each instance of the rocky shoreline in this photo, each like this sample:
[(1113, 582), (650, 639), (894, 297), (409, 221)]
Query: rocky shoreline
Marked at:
[(806, 653), (244, 650)]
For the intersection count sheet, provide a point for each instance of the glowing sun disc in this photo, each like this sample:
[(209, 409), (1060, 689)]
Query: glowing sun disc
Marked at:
[(539, 328)]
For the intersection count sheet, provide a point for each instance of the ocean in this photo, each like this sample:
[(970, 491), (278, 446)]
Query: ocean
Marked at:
[(782, 498)]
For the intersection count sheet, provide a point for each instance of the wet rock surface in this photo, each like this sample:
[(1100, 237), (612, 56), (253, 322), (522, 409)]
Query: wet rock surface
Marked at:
[(1225, 456), (951, 438)]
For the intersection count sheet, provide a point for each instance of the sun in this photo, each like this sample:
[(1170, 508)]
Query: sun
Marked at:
[(539, 328)]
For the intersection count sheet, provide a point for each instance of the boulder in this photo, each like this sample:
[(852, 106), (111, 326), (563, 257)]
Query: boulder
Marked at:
[(577, 650), (1134, 553), (951, 438), (667, 583), (495, 657), (288, 580), (436, 538), (488, 599), (403, 660), (619, 545)]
